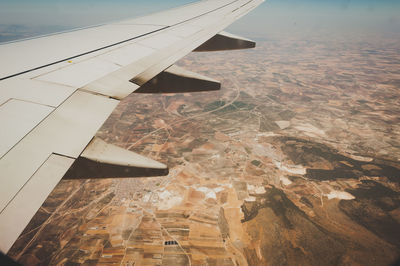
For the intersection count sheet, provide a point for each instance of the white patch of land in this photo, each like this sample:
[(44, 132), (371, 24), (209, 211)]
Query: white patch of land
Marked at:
[(260, 190), (265, 150), (293, 169), (250, 199), (340, 195), (208, 192), (360, 158), (211, 195), (285, 181), (310, 129), (283, 124), (250, 187), (218, 189), (255, 190), (266, 134), (168, 200)]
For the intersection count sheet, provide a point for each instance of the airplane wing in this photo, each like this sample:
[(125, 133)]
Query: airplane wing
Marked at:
[(57, 90)]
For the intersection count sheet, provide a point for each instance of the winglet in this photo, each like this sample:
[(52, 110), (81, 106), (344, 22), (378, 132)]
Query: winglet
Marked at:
[(101, 160), (225, 41)]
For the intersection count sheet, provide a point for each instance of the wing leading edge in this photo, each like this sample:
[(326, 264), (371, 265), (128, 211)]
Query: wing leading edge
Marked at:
[(57, 91)]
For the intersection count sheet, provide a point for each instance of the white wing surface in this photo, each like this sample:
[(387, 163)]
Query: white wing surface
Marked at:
[(56, 91)]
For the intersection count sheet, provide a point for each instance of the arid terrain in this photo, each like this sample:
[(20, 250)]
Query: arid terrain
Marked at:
[(295, 161)]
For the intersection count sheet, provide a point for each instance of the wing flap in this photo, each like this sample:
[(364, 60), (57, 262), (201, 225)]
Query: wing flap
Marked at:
[(34, 91), (79, 74), (17, 119), (65, 131), (18, 213), (127, 54)]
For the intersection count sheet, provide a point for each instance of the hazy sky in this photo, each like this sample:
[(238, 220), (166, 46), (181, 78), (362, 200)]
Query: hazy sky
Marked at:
[(273, 17)]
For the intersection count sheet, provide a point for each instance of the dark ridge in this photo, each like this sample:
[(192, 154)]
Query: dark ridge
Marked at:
[(223, 224), (275, 199), (322, 174), (304, 152), (372, 209), (306, 202), (282, 219)]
